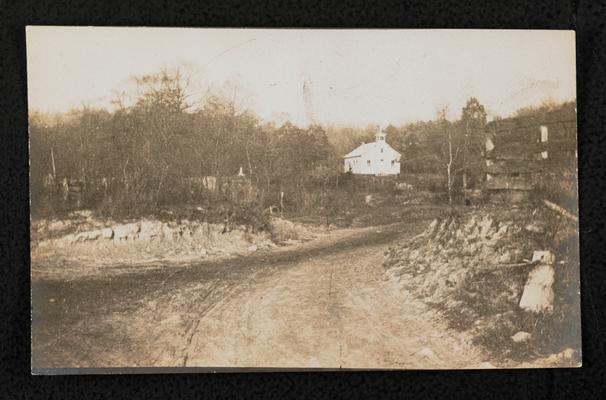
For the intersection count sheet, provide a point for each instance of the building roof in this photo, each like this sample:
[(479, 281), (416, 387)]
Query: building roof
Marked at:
[(358, 151), (366, 147)]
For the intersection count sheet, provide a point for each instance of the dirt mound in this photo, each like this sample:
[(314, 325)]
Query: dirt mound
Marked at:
[(83, 240), (436, 262), (283, 230), (99, 242), (473, 266)]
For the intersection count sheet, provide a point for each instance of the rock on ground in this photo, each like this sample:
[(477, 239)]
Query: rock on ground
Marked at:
[(126, 231), (521, 337), (538, 293)]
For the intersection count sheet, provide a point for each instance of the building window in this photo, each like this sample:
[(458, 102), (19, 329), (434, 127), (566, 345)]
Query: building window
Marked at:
[(367, 162), (381, 150)]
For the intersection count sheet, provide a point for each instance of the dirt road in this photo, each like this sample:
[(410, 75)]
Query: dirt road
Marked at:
[(322, 304)]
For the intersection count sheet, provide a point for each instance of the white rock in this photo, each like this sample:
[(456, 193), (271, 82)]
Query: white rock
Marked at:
[(569, 353), (167, 231), (427, 353), (90, 235), (185, 232), (545, 257), (538, 292), (521, 337), (126, 231), (149, 230), (107, 233), (252, 248), (486, 365), (535, 228)]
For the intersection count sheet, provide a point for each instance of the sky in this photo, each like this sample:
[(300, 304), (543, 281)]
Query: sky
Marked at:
[(351, 77)]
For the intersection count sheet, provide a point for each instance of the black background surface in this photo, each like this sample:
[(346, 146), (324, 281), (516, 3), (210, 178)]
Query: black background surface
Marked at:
[(586, 17)]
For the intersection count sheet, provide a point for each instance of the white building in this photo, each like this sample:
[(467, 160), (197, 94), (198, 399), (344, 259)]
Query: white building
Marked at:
[(375, 158)]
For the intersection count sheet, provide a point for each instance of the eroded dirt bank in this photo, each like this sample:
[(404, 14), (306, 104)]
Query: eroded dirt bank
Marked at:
[(475, 267), (82, 244)]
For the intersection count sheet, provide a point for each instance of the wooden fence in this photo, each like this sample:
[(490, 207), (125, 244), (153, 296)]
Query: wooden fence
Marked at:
[(529, 154)]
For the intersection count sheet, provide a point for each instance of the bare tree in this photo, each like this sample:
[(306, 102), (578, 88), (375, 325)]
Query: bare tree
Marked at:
[(448, 152)]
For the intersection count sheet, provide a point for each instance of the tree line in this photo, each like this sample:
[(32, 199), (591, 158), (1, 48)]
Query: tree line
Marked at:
[(147, 151), (141, 155)]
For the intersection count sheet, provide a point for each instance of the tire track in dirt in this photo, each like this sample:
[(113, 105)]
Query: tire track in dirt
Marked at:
[(179, 315), (334, 312)]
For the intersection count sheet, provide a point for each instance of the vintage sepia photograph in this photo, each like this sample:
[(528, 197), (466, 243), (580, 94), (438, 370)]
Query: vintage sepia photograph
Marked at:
[(253, 199)]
